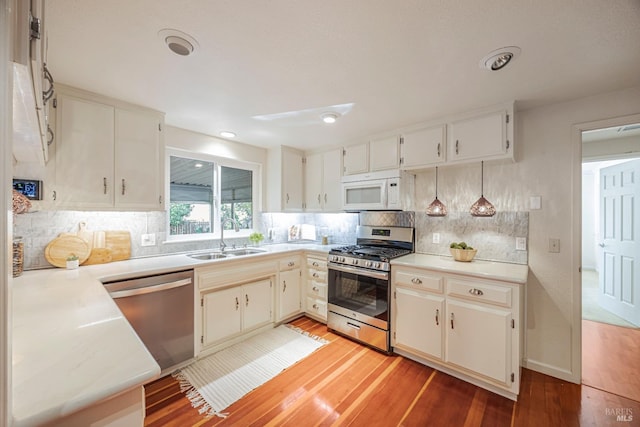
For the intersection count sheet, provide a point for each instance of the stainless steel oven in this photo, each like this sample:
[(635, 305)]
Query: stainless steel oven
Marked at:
[(359, 284)]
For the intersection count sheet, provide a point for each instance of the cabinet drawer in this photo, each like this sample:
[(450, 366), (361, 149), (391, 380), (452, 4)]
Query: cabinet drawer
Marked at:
[(480, 292), (317, 307), (317, 289), (320, 276), (289, 263), (419, 279), (320, 264)]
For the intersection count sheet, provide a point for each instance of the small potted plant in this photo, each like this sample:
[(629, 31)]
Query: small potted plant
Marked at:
[(72, 262), (256, 238)]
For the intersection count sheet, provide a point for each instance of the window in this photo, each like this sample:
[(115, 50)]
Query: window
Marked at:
[(205, 193)]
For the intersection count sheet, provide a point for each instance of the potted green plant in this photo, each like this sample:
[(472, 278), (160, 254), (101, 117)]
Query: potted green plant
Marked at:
[(256, 238), (72, 261)]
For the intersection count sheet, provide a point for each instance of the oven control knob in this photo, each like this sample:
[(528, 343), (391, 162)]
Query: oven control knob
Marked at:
[(377, 265), (369, 264), (342, 259), (354, 261)]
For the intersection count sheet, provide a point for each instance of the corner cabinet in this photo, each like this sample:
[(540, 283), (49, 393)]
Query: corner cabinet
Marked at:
[(285, 178), (289, 292), (107, 154), (471, 328)]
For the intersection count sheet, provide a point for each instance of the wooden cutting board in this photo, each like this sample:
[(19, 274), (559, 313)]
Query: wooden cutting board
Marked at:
[(61, 247), (119, 242), (99, 256)]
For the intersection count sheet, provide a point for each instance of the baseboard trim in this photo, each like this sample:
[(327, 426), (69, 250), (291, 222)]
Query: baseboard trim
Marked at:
[(553, 371)]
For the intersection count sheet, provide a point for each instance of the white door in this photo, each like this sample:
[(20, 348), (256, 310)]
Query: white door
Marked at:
[(289, 293), (257, 304), (221, 315), (418, 321), (619, 219), (331, 174), (313, 183)]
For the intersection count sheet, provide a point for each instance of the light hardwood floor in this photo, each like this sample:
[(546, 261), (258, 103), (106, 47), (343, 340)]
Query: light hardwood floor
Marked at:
[(344, 383)]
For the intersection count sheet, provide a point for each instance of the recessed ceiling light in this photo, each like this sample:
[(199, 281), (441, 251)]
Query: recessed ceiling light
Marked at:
[(329, 117), (227, 134), (178, 42), (499, 58)]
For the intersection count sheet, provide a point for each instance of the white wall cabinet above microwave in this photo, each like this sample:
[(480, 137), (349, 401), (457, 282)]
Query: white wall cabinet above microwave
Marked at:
[(108, 154), (376, 155)]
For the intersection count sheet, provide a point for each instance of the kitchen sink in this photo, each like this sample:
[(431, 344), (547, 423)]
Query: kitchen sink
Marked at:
[(230, 253)]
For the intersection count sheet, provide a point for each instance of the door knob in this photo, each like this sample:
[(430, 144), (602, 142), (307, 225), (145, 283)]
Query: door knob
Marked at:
[(601, 245)]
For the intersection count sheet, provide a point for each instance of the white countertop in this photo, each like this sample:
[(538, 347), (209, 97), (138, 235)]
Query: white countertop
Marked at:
[(516, 273), (72, 347)]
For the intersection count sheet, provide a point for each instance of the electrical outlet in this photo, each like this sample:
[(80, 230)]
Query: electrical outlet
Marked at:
[(554, 245), (521, 243), (436, 237), (148, 240), (535, 203)]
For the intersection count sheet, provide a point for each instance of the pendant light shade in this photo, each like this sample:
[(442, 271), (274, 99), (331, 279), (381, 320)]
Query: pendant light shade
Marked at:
[(482, 207), (436, 208)]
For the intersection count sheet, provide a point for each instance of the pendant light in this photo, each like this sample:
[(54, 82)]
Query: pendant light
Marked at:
[(482, 207), (436, 208)]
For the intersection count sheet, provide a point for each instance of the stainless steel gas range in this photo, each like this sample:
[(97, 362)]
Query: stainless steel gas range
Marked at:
[(360, 283)]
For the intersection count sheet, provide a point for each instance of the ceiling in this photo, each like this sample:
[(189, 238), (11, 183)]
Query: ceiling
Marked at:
[(266, 70)]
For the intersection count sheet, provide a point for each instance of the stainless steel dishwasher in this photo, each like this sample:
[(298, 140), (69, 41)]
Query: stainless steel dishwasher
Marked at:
[(160, 309)]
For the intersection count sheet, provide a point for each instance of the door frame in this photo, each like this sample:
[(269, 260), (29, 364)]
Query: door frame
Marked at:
[(576, 241)]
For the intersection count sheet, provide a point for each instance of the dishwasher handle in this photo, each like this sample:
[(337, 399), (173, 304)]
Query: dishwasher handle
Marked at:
[(149, 289)]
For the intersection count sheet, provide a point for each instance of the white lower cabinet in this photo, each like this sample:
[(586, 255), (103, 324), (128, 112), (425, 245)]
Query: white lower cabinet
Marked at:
[(468, 327), (289, 295), (229, 312), (419, 322)]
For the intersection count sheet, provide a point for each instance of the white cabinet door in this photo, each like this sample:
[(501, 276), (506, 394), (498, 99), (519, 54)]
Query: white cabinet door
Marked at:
[(331, 175), (292, 178), (423, 148), (384, 153), (418, 322), (138, 160), (313, 189), (84, 153), (483, 137), (257, 304), (289, 302), (356, 159), (479, 339), (221, 315)]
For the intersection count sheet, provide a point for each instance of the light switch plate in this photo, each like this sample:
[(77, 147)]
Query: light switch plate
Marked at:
[(535, 202), (554, 245), (148, 240), (436, 237), (521, 243)]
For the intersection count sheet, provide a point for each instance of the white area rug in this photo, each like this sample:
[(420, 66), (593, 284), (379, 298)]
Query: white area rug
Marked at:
[(215, 382)]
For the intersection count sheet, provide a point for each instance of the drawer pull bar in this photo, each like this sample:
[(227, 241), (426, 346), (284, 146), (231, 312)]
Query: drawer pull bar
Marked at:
[(315, 264), (437, 317), (477, 292), (315, 289), (352, 325), (416, 281), (291, 263), (316, 275)]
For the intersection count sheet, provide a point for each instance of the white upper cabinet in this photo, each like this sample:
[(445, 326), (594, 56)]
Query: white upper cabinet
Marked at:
[(484, 137), (384, 153), (356, 159), (285, 177), (423, 148), (322, 181), (108, 154)]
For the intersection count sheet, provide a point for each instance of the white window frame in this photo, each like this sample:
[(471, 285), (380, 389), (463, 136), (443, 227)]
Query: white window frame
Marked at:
[(256, 197)]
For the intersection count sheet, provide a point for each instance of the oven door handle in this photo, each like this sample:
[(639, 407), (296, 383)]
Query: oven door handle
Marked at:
[(359, 271)]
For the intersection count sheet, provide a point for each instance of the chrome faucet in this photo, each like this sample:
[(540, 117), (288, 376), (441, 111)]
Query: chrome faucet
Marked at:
[(236, 227)]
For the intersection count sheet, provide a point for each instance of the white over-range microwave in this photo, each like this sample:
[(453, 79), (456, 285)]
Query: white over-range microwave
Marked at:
[(376, 191)]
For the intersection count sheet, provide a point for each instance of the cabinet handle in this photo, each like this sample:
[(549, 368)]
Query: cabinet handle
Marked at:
[(316, 275), (437, 317), (237, 304), (104, 185), (246, 297), (47, 94), (315, 306), (319, 200), (54, 195), (287, 197), (451, 320), (315, 264), (284, 286), (291, 264), (123, 186), (477, 292), (507, 145), (438, 149), (416, 281), (51, 135), (315, 289), (457, 147), (325, 198)]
